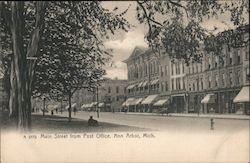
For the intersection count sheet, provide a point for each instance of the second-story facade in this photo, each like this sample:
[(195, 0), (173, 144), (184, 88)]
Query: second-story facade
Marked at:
[(220, 76)]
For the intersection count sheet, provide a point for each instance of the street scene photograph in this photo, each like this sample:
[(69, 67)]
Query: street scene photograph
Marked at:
[(125, 81)]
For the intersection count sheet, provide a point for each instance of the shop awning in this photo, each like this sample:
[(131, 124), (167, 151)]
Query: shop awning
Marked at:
[(101, 104), (131, 86), (243, 95), (154, 81), (136, 101), (145, 83), (161, 102), (140, 84), (128, 102), (209, 98), (73, 105), (93, 104), (149, 99)]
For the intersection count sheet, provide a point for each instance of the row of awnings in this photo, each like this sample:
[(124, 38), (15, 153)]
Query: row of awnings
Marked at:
[(143, 84), (145, 101), (93, 104), (242, 96)]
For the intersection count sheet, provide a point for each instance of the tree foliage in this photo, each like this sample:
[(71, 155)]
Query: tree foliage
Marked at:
[(175, 25), (66, 40)]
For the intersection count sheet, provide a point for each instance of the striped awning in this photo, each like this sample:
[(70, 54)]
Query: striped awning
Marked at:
[(138, 101), (154, 81), (131, 86), (149, 99), (145, 83), (128, 102), (209, 98), (161, 102), (243, 95), (140, 84), (101, 104)]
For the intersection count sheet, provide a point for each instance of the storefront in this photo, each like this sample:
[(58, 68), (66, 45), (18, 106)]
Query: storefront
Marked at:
[(148, 101), (178, 103), (161, 104), (209, 104), (242, 100)]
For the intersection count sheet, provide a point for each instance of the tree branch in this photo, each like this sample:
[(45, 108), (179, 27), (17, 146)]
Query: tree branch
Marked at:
[(179, 5)]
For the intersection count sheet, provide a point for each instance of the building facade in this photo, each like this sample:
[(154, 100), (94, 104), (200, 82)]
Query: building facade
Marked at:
[(214, 83), (148, 80), (210, 86), (110, 95)]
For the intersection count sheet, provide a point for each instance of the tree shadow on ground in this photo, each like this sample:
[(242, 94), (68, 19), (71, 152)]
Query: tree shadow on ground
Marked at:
[(57, 124)]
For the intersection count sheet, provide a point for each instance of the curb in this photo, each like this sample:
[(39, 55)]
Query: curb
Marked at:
[(189, 116)]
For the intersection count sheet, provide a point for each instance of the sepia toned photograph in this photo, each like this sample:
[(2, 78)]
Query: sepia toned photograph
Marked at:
[(124, 81)]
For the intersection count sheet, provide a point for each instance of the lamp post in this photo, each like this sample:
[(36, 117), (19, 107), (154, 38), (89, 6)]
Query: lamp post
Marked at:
[(44, 105), (97, 100)]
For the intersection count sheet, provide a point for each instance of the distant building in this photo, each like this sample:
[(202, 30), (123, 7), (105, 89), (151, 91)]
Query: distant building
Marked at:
[(111, 95), (3, 95)]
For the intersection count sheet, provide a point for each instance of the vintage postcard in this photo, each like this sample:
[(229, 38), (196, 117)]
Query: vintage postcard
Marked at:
[(124, 81)]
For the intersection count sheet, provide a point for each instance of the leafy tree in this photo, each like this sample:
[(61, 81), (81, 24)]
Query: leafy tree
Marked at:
[(175, 25), (67, 25)]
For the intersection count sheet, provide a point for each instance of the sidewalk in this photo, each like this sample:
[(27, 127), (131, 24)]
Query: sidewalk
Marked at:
[(195, 115)]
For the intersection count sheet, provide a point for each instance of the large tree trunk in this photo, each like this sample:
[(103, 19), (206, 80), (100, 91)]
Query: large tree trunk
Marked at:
[(22, 73), (20, 63), (13, 92)]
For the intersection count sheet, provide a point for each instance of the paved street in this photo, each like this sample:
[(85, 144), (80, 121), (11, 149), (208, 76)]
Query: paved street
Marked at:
[(166, 123)]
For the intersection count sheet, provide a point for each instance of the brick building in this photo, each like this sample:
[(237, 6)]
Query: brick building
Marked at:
[(148, 80), (215, 82), (111, 95), (209, 87)]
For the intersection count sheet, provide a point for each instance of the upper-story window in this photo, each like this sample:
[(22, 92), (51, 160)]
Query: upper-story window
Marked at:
[(146, 70), (201, 83), (247, 74), (209, 82), (216, 62), (246, 52), (117, 89), (209, 63), (166, 86), (161, 71), (216, 80), (231, 78), (172, 84), (166, 70), (172, 68), (183, 68), (109, 89), (177, 68), (178, 84), (223, 80), (238, 78), (230, 58), (238, 56)]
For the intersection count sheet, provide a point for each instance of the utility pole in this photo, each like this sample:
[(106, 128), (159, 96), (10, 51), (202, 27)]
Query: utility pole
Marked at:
[(97, 100), (44, 105)]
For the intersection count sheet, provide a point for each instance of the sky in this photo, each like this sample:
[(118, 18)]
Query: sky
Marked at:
[(123, 43)]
